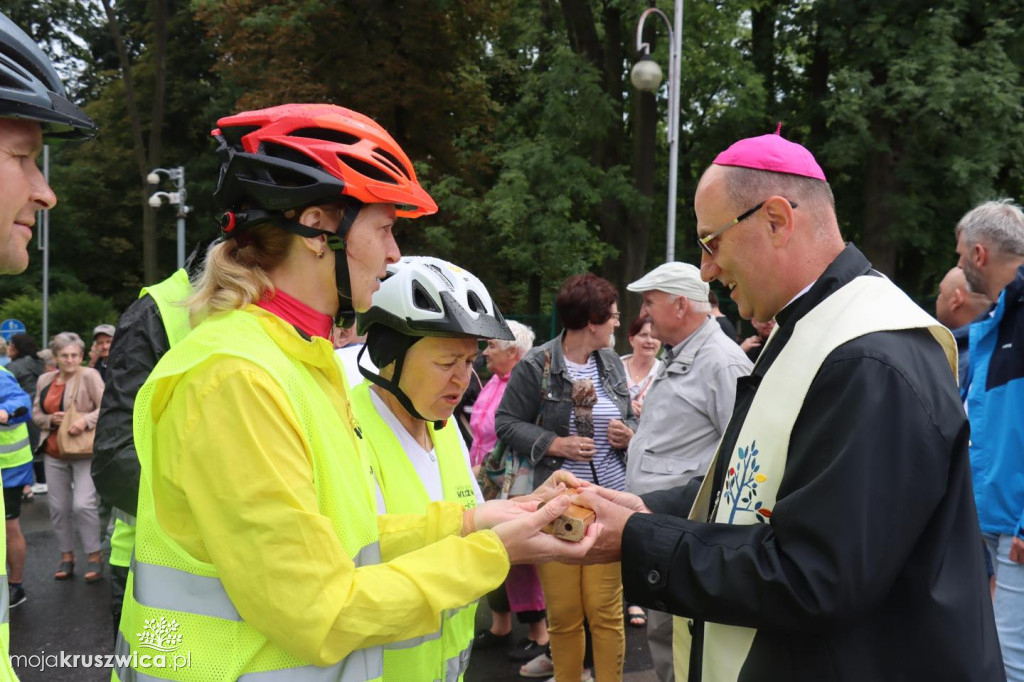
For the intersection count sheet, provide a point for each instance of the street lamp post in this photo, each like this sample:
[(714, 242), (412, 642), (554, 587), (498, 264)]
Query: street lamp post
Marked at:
[(175, 198), (646, 76)]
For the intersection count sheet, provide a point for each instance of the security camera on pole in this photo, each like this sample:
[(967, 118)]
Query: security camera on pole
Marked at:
[(175, 198)]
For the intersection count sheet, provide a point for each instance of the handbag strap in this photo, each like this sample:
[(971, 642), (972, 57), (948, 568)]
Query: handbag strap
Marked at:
[(74, 396)]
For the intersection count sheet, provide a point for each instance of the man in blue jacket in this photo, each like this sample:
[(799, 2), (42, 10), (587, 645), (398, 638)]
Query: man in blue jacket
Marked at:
[(990, 243)]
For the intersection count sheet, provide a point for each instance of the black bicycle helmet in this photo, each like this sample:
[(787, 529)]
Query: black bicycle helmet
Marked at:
[(30, 88)]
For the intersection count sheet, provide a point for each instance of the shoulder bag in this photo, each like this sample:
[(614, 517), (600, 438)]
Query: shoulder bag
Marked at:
[(79, 445), (504, 473)]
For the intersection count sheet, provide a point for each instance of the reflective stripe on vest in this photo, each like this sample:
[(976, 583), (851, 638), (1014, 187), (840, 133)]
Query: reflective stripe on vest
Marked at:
[(5, 601), (175, 586), (456, 666), (162, 587), (362, 664), (15, 448)]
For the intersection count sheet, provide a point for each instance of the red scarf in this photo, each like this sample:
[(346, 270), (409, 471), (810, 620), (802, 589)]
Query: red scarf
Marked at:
[(290, 309)]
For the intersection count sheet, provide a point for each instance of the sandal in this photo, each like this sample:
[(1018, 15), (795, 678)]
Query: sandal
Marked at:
[(636, 615), (93, 572), (65, 570)]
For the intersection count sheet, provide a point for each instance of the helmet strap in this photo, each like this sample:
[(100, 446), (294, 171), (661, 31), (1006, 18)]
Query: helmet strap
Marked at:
[(234, 224), (391, 386)]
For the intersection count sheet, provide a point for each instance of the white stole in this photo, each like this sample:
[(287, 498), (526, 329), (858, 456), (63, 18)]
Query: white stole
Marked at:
[(866, 305)]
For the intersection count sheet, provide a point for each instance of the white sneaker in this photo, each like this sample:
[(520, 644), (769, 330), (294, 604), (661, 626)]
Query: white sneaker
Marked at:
[(39, 488), (588, 676), (541, 666)]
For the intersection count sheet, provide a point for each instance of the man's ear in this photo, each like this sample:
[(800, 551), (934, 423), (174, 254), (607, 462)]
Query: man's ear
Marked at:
[(957, 300), (980, 254), (781, 220)]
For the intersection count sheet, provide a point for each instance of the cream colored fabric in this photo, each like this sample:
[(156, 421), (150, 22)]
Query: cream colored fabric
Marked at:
[(756, 467)]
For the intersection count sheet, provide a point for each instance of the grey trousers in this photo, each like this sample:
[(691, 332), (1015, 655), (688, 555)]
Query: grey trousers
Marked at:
[(72, 498), (659, 639)]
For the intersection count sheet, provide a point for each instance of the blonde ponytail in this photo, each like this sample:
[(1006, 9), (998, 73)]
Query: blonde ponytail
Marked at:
[(235, 275)]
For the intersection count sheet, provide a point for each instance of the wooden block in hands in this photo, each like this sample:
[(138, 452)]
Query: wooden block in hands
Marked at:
[(572, 524)]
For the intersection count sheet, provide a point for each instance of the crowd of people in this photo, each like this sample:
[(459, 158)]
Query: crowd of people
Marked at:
[(37, 393), (275, 429)]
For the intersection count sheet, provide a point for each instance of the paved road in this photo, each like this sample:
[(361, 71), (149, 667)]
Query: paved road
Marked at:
[(74, 618), (69, 616)]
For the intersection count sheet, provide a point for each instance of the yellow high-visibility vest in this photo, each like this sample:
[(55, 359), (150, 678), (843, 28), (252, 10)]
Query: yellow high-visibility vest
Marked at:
[(15, 449), (442, 655), (169, 296), (173, 597)]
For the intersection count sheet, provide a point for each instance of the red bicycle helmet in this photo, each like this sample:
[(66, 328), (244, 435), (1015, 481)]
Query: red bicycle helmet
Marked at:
[(295, 155)]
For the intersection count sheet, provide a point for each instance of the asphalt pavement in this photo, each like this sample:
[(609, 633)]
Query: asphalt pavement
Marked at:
[(71, 617), (60, 617)]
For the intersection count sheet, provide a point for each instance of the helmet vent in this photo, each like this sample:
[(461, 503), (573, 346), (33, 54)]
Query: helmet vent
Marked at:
[(6, 82), (288, 154), (233, 136), (399, 167), (366, 169), (284, 176), (475, 304), (326, 134), (422, 299)]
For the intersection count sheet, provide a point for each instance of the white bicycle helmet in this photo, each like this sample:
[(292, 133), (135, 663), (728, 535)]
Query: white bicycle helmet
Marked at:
[(424, 296)]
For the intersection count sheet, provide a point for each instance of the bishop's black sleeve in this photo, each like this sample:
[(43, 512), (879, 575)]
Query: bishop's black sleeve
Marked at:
[(868, 464)]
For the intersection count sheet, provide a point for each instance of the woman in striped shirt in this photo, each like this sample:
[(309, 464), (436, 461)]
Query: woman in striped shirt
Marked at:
[(581, 422)]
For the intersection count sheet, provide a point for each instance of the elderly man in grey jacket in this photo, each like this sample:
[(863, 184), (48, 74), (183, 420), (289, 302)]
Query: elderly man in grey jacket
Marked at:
[(687, 407)]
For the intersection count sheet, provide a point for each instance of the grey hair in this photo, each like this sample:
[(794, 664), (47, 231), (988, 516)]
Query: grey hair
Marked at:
[(999, 224), (749, 186), (700, 306), (524, 337), (64, 339)]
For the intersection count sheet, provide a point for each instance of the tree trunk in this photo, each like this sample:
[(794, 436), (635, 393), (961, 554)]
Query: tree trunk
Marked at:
[(762, 36), (879, 186), (638, 233), (143, 160), (610, 150), (817, 75)]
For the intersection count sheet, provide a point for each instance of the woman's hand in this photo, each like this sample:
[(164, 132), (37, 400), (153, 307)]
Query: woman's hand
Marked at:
[(619, 434), (557, 483), (576, 448), (491, 513), (525, 543), (637, 408), (77, 426), (56, 418)]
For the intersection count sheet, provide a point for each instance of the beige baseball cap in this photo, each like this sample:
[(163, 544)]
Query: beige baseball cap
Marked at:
[(681, 279)]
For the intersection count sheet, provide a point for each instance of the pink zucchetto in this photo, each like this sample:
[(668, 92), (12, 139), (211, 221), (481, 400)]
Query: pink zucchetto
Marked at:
[(772, 153)]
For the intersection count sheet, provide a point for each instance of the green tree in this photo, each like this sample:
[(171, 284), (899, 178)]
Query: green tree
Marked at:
[(70, 311)]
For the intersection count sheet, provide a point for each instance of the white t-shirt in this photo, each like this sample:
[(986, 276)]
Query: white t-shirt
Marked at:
[(425, 463), (349, 358)]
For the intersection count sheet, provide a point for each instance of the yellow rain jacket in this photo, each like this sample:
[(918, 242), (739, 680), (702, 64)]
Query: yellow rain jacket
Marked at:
[(234, 491)]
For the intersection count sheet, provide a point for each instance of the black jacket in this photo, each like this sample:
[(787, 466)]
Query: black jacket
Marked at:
[(139, 342), (871, 567), (27, 369)]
